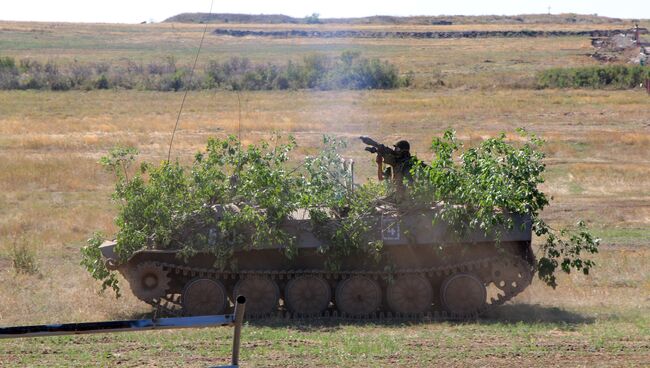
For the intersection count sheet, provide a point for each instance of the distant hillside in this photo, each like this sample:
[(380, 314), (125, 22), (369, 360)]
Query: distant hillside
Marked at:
[(232, 18), (380, 19)]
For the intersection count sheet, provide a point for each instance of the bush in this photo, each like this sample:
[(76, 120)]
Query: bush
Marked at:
[(476, 187), (172, 82), (8, 73), (23, 257), (29, 65), (316, 71), (91, 259), (102, 82), (314, 18), (7, 62), (609, 76), (59, 83), (80, 74)]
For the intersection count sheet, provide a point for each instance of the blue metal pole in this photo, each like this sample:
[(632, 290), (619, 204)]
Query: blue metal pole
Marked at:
[(116, 326)]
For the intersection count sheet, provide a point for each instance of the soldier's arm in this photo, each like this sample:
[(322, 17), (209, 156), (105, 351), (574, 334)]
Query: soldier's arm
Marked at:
[(388, 154)]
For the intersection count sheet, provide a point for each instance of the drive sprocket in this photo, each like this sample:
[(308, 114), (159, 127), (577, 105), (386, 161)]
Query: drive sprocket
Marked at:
[(511, 277), (148, 281)]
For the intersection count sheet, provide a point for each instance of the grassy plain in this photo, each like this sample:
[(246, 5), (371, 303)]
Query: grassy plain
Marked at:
[(472, 63), (54, 194)]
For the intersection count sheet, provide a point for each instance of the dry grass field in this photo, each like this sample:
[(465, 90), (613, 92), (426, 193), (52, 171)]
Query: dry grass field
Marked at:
[(53, 193), (470, 63)]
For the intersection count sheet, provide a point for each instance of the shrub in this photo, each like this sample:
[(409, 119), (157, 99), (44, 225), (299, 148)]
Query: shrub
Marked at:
[(102, 82), (28, 81), (91, 259), (102, 68), (80, 74), (172, 82), (315, 71), (23, 257), (7, 62), (59, 83), (314, 18), (609, 76), (8, 73), (477, 186), (29, 65)]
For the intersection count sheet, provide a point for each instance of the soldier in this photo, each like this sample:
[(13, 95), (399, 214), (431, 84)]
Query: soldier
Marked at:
[(399, 158)]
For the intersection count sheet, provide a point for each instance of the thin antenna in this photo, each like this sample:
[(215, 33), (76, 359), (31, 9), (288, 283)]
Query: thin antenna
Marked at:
[(178, 118), (239, 122), (239, 143)]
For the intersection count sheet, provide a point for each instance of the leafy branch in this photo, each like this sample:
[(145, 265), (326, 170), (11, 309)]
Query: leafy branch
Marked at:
[(477, 188)]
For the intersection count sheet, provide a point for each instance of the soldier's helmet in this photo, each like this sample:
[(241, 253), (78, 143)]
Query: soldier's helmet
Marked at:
[(403, 145)]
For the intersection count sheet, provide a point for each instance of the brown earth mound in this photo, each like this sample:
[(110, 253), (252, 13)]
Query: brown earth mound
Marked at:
[(294, 33)]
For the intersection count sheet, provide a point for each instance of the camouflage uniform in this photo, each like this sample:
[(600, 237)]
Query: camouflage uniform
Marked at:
[(399, 159)]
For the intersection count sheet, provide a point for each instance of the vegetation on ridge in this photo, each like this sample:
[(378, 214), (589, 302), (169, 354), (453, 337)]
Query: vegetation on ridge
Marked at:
[(314, 71), (602, 76), (567, 18)]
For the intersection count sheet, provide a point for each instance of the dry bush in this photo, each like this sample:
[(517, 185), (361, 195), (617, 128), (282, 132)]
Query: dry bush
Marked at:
[(23, 256)]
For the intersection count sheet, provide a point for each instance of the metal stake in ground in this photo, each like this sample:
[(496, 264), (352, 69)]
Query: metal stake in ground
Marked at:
[(240, 307)]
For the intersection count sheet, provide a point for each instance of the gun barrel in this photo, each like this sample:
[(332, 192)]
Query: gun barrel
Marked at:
[(369, 141)]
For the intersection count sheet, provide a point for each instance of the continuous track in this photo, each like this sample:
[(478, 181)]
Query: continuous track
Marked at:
[(503, 276)]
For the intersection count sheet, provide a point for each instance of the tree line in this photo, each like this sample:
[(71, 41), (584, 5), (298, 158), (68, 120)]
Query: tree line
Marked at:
[(605, 76), (315, 71)]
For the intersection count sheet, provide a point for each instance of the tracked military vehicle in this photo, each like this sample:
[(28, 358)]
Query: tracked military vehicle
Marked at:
[(425, 269)]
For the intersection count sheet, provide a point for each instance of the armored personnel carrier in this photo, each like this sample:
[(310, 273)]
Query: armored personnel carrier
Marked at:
[(425, 269)]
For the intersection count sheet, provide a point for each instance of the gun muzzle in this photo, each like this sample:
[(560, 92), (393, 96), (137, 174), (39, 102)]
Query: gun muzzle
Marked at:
[(369, 141)]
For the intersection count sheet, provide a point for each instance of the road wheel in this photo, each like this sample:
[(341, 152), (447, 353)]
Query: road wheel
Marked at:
[(204, 297), (308, 295), (463, 294), (262, 295), (358, 296), (410, 294)]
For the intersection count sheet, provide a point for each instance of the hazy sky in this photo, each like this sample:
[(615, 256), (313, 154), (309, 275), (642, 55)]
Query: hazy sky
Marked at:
[(135, 11)]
